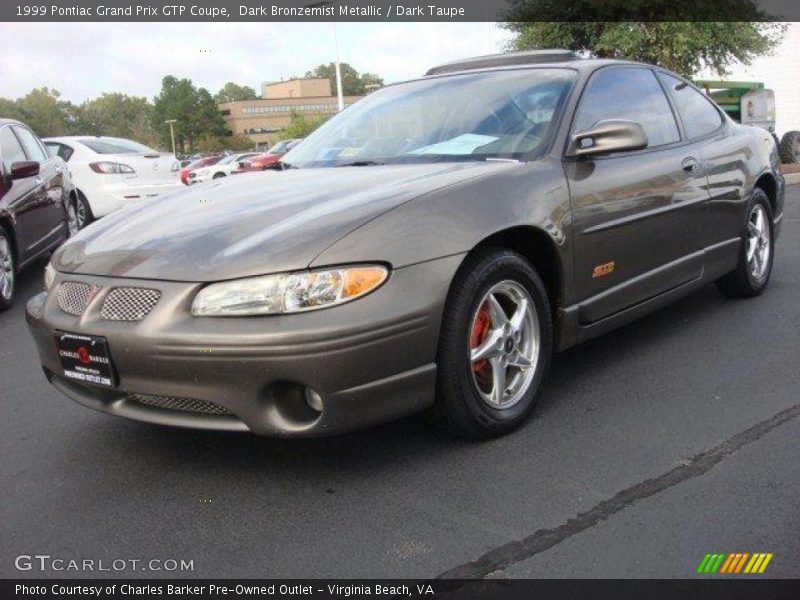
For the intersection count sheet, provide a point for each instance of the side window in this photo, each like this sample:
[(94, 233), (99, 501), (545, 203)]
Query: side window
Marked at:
[(61, 150), (628, 93), (32, 147), (10, 149), (698, 114)]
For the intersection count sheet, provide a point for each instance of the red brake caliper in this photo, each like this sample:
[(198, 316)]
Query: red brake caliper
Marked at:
[(483, 321)]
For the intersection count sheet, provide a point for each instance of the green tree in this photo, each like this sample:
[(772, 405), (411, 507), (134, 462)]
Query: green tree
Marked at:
[(117, 115), (232, 93), (353, 83), (684, 47), (301, 126), (194, 110), (44, 112)]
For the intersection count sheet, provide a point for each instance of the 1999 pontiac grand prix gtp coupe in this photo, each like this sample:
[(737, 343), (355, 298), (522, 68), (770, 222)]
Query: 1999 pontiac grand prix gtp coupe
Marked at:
[(429, 248)]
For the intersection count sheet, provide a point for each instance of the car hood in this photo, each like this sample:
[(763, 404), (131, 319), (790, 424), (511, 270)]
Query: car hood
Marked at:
[(253, 224)]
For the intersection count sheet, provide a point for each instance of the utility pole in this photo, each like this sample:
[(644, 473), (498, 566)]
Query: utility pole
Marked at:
[(339, 94), (172, 133)]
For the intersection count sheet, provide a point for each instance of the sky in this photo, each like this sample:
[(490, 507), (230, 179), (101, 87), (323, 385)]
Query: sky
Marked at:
[(83, 60)]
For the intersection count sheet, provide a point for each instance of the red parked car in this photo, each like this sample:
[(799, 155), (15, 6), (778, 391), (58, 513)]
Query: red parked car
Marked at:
[(269, 158), (200, 162)]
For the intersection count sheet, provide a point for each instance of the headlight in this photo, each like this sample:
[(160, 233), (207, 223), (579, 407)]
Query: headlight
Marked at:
[(49, 277), (288, 292)]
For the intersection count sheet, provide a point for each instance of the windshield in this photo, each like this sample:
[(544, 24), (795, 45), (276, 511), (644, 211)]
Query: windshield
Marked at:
[(116, 146), (228, 159), (498, 114), (280, 147)]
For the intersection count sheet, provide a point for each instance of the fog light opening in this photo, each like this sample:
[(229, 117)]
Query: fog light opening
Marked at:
[(313, 399)]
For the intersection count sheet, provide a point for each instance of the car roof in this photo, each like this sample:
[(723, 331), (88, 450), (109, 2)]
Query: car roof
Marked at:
[(78, 138), (528, 59), (11, 122)]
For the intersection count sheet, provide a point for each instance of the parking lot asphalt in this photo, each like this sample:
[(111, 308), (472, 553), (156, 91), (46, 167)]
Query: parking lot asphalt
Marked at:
[(676, 436)]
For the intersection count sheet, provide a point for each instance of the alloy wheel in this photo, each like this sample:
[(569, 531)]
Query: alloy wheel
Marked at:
[(72, 219), (6, 270), (504, 344), (80, 214), (758, 242)]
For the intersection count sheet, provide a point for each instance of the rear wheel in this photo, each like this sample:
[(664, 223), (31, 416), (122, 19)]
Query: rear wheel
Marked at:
[(83, 211), (756, 253), (72, 217), (7, 271), (495, 346)]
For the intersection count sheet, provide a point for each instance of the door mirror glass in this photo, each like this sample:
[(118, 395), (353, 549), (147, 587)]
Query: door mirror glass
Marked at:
[(24, 168), (613, 135)]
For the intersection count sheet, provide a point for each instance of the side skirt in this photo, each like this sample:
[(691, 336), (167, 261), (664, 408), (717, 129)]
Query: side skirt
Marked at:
[(573, 329)]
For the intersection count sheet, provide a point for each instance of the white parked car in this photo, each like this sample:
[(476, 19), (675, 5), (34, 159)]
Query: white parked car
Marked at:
[(109, 173), (221, 169)]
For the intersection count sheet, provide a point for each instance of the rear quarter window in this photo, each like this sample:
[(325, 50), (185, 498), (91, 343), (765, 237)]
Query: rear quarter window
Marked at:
[(699, 115), (61, 150)]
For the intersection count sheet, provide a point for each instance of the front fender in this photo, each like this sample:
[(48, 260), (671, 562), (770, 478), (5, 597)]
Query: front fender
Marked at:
[(455, 219)]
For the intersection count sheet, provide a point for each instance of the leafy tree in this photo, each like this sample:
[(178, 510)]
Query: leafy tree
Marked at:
[(10, 110), (301, 125), (685, 47), (208, 143), (193, 109), (232, 93), (117, 115), (42, 110), (353, 83)]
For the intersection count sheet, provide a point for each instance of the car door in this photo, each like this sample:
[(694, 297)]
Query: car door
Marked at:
[(635, 213), (53, 182), (726, 158), (23, 198)]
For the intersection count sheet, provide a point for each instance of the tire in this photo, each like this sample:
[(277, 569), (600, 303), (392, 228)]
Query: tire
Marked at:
[(789, 148), (751, 275), (467, 404), (72, 216), (218, 175), (85, 215), (8, 270)]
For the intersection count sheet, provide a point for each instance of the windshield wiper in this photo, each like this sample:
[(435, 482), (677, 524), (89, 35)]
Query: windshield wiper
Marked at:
[(361, 163)]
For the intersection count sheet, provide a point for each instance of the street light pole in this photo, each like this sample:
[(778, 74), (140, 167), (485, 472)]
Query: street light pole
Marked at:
[(172, 132), (339, 94)]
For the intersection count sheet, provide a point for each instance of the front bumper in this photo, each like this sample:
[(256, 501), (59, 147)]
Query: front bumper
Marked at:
[(370, 360)]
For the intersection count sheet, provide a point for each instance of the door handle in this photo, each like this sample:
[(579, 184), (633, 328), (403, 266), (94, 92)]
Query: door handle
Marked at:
[(689, 164)]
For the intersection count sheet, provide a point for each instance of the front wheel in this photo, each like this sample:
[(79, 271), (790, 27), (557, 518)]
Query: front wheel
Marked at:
[(495, 346), (218, 175), (755, 253), (7, 271)]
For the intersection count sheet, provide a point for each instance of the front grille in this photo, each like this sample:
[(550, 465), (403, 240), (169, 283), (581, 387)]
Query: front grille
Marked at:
[(182, 404), (129, 304), (73, 296)]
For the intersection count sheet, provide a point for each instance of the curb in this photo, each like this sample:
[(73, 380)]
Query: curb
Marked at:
[(791, 178)]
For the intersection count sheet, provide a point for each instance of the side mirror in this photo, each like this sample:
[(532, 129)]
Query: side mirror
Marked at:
[(613, 135), (24, 168)]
